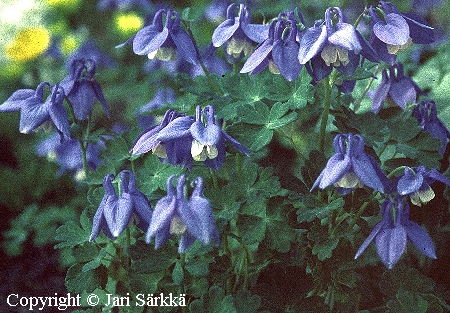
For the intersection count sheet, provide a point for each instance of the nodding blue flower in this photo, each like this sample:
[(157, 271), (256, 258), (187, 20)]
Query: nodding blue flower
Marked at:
[(82, 89), (238, 34), (68, 155), (162, 42), (329, 45), (279, 51), (391, 235), (350, 167), (172, 149), (426, 114), (90, 51), (393, 31), (34, 111), (115, 213), (416, 183), (174, 215), (206, 140), (394, 86)]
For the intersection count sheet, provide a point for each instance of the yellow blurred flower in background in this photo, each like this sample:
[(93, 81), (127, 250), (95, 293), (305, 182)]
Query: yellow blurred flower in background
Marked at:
[(28, 44)]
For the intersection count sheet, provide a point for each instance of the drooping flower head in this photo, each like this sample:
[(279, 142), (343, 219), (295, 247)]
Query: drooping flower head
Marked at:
[(162, 41), (391, 234), (174, 215), (333, 43), (395, 86), (34, 111), (350, 167), (279, 51), (175, 148), (115, 213), (68, 155), (238, 34), (206, 140), (82, 89), (426, 114), (393, 31), (416, 183)]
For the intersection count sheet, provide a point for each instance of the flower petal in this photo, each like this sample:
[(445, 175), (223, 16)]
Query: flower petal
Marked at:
[(420, 239), (394, 32), (391, 243), (149, 39), (312, 43)]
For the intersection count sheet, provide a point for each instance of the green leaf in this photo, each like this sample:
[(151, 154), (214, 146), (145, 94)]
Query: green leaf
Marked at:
[(145, 283), (246, 302), (70, 234), (96, 262), (324, 250), (214, 301), (78, 281), (198, 266), (252, 228), (148, 260), (254, 114), (408, 302), (177, 273), (307, 215), (261, 138)]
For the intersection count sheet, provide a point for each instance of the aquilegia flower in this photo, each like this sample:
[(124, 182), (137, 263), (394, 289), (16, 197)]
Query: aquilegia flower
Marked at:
[(279, 51), (329, 45), (161, 42), (390, 235), (426, 114), (416, 183), (394, 86), (350, 167), (114, 214), (82, 89), (34, 111), (68, 155), (174, 215), (393, 31), (175, 150), (206, 140), (238, 34)]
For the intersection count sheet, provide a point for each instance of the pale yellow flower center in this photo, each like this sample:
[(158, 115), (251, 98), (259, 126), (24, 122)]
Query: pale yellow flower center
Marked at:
[(236, 46), (177, 226), (349, 180), (422, 196), (393, 49), (163, 54), (335, 55), (202, 152), (273, 68), (160, 151)]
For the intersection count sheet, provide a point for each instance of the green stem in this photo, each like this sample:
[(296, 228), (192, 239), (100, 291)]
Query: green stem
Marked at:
[(327, 84), (358, 215), (211, 82)]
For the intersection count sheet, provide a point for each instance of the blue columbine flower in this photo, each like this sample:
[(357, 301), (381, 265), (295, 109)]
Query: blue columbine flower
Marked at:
[(350, 167), (394, 86), (329, 45), (426, 114), (206, 140), (279, 51), (390, 236), (174, 215), (174, 150), (238, 34), (114, 214), (34, 111), (161, 42), (82, 89), (416, 183), (393, 31), (68, 154)]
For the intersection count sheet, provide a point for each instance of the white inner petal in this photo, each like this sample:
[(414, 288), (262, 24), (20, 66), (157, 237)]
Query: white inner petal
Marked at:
[(349, 180), (160, 151), (177, 226), (393, 49), (335, 55)]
